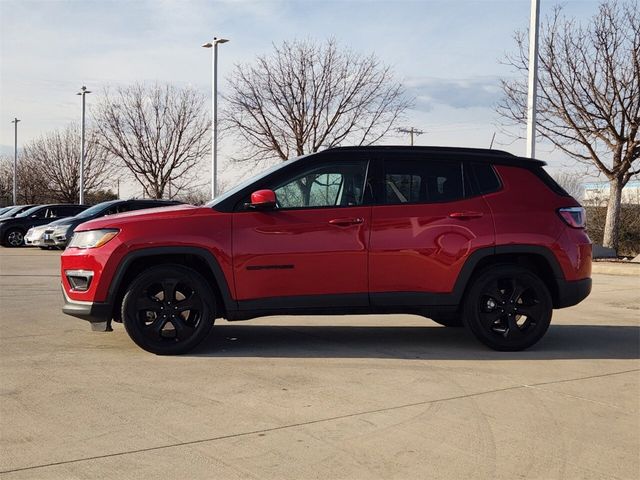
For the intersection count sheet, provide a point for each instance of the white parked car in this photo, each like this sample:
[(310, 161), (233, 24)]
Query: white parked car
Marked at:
[(35, 236)]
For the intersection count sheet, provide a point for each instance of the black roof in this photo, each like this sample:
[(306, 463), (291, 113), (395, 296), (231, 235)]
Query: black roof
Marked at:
[(481, 154)]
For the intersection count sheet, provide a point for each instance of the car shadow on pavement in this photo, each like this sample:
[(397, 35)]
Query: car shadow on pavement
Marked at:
[(428, 342)]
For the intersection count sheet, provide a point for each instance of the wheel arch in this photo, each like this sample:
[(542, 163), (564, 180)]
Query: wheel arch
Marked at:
[(538, 259), (199, 259)]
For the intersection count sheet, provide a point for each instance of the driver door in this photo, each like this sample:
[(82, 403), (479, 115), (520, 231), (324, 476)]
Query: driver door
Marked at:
[(311, 250)]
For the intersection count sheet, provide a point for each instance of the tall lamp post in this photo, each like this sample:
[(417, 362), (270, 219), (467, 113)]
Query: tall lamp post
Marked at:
[(214, 118), (15, 161), (83, 92), (534, 29)]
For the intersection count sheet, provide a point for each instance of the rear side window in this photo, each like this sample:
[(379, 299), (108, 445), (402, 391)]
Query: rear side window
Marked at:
[(486, 177), (422, 181)]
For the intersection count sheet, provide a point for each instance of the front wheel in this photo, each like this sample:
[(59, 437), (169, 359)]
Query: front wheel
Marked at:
[(508, 308), (14, 238), (168, 309)]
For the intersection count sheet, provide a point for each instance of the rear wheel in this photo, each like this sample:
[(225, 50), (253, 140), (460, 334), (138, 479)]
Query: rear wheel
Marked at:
[(508, 308), (14, 238), (168, 309)]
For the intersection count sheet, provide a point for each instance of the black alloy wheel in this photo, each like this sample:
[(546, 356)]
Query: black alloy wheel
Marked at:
[(168, 309), (14, 238), (508, 308)]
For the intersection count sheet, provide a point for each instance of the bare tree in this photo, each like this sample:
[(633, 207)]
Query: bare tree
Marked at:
[(32, 188), (589, 94), (306, 96), (55, 158), (158, 132), (6, 181), (571, 181)]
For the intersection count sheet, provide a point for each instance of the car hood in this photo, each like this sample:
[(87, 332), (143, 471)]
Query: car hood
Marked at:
[(122, 219), (61, 221)]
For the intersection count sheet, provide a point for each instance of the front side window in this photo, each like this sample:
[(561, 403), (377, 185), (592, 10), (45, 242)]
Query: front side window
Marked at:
[(42, 213), (339, 184), (422, 181)]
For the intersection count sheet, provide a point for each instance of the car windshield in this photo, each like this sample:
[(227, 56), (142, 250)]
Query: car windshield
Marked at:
[(30, 211), (253, 179), (95, 209), (9, 211)]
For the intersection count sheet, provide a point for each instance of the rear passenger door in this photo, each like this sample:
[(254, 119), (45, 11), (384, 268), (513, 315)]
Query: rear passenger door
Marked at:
[(426, 221)]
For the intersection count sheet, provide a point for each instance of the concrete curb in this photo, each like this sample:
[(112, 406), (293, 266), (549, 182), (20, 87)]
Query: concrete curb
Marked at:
[(616, 268)]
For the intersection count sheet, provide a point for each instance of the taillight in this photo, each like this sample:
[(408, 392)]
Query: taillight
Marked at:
[(575, 217)]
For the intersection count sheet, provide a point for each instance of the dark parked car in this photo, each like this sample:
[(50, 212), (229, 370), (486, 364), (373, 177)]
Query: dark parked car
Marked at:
[(462, 236), (59, 232), (14, 210), (12, 230)]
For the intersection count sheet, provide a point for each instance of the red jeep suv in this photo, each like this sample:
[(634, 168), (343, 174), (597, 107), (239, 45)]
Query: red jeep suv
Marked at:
[(462, 236)]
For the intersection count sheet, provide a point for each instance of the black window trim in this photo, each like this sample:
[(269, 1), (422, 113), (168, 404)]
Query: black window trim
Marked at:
[(375, 158)]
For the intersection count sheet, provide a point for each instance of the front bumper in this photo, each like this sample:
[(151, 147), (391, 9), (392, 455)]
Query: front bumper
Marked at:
[(51, 240), (572, 293), (34, 239), (98, 314)]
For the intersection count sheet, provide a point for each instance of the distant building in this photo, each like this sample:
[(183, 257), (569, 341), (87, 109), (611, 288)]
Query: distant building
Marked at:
[(597, 193)]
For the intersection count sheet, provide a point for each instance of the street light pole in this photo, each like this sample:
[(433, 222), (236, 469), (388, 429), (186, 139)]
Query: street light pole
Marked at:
[(15, 161), (83, 92), (534, 29), (214, 114)]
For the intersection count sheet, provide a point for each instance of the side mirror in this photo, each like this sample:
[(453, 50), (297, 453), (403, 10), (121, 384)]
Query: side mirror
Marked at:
[(263, 200)]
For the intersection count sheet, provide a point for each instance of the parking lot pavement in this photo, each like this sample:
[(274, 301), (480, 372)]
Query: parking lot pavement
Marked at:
[(315, 397)]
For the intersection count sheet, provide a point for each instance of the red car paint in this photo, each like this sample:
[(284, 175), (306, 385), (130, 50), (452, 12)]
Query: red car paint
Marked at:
[(360, 257)]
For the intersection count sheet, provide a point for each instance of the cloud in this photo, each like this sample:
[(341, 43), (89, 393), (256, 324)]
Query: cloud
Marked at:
[(480, 92)]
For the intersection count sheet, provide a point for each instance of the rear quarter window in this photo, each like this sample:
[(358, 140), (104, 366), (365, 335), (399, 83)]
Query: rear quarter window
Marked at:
[(486, 178)]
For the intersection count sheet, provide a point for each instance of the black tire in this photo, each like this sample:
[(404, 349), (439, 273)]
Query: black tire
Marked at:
[(13, 238), (451, 322), (154, 313), (508, 308)]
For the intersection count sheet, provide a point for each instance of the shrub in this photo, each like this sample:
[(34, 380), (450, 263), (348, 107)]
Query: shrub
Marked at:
[(629, 245)]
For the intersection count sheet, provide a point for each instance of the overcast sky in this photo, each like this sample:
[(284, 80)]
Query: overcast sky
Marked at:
[(446, 52)]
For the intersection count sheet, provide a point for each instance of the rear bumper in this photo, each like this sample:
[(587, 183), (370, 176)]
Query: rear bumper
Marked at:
[(96, 313), (572, 293)]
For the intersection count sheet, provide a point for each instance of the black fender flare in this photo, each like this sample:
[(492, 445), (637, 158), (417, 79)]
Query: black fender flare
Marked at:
[(474, 259), (211, 261)]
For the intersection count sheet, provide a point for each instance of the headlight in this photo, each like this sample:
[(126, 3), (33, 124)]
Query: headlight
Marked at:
[(92, 238), (62, 231)]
